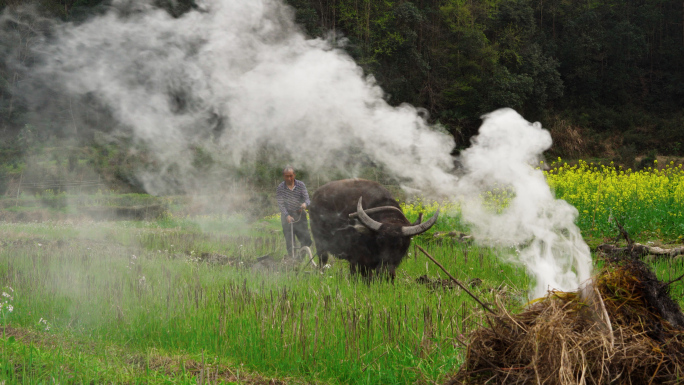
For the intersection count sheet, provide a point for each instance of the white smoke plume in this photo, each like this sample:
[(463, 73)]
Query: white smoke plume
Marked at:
[(502, 157), (235, 76)]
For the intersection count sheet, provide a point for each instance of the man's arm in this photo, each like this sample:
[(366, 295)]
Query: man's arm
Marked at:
[(281, 200), (305, 195)]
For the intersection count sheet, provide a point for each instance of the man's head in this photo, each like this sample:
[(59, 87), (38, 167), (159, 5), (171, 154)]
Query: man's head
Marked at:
[(289, 175)]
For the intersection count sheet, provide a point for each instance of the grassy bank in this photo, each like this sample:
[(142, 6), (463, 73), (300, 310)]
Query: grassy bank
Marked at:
[(184, 291)]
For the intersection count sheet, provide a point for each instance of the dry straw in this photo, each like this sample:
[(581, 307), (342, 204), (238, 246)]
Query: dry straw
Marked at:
[(629, 331)]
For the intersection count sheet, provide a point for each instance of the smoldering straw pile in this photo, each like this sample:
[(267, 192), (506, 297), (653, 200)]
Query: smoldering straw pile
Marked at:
[(628, 330)]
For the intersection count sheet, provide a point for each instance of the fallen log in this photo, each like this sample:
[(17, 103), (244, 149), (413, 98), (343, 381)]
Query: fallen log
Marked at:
[(637, 249)]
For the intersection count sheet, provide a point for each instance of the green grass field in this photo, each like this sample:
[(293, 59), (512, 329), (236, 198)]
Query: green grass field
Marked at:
[(184, 300), (118, 296)]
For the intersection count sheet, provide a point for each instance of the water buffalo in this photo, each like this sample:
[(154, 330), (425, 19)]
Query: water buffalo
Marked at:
[(358, 220)]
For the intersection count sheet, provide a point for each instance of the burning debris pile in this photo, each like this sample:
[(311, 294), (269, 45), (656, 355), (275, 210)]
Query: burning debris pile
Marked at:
[(626, 329)]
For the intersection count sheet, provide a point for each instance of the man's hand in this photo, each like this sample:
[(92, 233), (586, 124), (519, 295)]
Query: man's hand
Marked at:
[(289, 219), (303, 206)]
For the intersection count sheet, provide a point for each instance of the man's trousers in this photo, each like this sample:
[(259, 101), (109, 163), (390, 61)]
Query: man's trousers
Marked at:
[(300, 227)]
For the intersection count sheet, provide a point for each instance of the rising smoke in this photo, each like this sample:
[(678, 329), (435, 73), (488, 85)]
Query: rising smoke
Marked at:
[(549, 243), (233, 77), (236, 76)]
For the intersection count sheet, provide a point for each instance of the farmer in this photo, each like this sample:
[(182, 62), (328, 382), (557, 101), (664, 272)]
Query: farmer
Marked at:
[(293, 199)]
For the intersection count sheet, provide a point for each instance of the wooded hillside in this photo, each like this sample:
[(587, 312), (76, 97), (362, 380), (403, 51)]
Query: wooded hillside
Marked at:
[(605, 77), (606, 68)]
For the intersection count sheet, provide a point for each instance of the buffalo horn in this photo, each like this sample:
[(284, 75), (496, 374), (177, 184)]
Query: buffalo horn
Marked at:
[(378, 209), (409, 231), (365, 219)]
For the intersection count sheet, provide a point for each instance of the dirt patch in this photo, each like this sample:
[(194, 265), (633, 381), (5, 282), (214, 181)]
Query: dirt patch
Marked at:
[(97, 213), (263, 263), (439, 283), (128, 213), (436, 283)]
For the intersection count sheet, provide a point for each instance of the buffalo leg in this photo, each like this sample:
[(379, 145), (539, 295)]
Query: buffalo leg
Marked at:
[(386, 271), (364, 271), (323, 257), (353, 268)]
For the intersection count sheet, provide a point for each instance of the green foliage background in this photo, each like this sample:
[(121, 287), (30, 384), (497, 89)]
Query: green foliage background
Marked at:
[(609, 67), (604, 76)]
